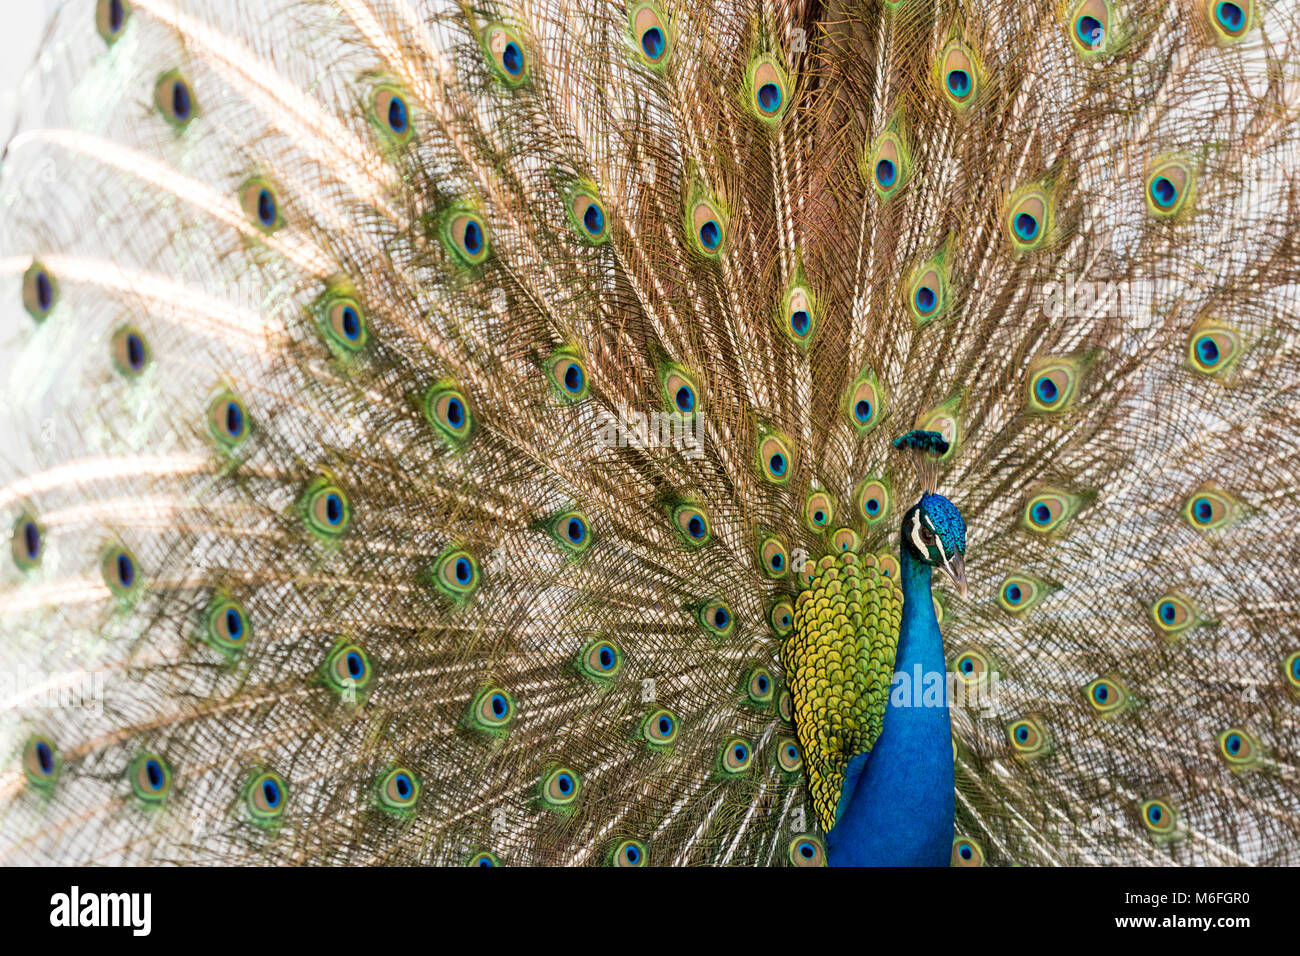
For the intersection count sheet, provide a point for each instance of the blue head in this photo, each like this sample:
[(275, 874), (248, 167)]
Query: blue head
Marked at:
[(934, 532)]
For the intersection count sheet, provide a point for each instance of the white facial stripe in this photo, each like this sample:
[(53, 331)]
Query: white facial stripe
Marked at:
[(915, 532)]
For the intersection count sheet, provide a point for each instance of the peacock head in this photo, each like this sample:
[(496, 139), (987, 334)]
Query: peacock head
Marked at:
[(935, 534)]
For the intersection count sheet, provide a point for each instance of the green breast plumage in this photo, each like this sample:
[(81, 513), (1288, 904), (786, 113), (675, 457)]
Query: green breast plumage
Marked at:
[(839, 662)]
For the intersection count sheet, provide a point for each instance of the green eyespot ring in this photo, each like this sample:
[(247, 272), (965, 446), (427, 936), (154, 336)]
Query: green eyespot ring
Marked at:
[(40, 292), (391, 113), (28, 542), (768, 89), (130, 352), (1173, 613), (456, 574), (651, 34), (505, 53), (601, 660), (1028, 738), (342, 322), (1107, 696), (1089, 27), (41, 762), (773, 557), (788, 756), (958, 76), (659, 728), (759, 686), (261, 204), (966, 852), (121, 573), (572, 531), (845, 540), (692, 523), (628, 853), (326, 509), (228, 421), (398, 790), (806, 850), (151, 778), (1159, 818), (265, 797), (448, 410), (465, 234), (559, 789), (775, 460), (717, 619), (1209, 508), (347, 670), (587, 214), (483, 859), (568, 374), (492, 710), (781, 617), (736, 756), (226, 626), (174, 98), (110, 19), (1170, 183), (1239, 748), (819, 511)]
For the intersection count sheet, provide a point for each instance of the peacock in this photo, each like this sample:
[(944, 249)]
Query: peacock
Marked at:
[(649, 432)]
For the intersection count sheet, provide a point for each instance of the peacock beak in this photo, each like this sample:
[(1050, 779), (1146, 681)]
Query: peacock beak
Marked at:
[(955, 568)]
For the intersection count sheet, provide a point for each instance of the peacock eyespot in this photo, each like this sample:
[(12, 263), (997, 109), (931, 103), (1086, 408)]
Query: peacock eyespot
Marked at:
[(958, 75), (347, 670), (1158, 817), (774, 459), (342, 321), (717, 619), (889, 163), (41, 762), (845, 540), (1020, 592), (767, 85), (659, 729), (120, 573), (735, 757), (601, 660), (151, 778), (787, 755), (571, 530), (110, 19), (465, 235), (679, 392), (28, 542), (447, 409), (483, 859), (129, 352), (781, 617), (492, 710), (972, 666), (958, 83), (1210, 509), (261, 205), (456, 574), (560, 789), (759, 686), (327, 509), (1238, 748), (1028, 218), (227, 421), (693, 524), (1169, 183), (1291, 668), (266, 797), (651, 33), (806, 850), (966, 852), (398, 790), (707, 226), (587, 214), (1229, 19), (505, 54), (40, 292), (818, 511), (174, 100), (630, 853), (797, 315), (225, 625), (390, 112), (567, 372), (774, 558), (1028, 739)]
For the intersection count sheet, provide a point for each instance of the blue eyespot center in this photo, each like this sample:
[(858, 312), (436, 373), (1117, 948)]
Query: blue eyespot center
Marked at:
[(31, 540), (573, 377), (886, 173), (397, 119), (1207, 350), (484, 861), (799, 321), (685, 399), (720, 618), (632, 854), (333, 508), (576, 530), (351, 323), (234, 624), (1089, 30), (740, 752), (965, 852), (1040, 513), (593, 219), (473, 237), (181, 104), (1155, 814), (862, 410), (966, 665), (1046, 390), (1233, 743), (1026, 226), (791, 751), (1202, 510), (819, 517), (1163, 191), (512, 58), (265, 207), (234, 419), (665, 725), (777, 464), (455, 413), (499, 705), (958, 83), (115, 16), (926, 300), (1013, 594), (695, 526), (463, 570), (1101, 693), (606, 656), (872, 506), (769, 97), (1230, 15), (1022, 733), (44, 292), (807, 851), (652, 42), (154, 774), (271, 793), (44, 758), (1168, 612), (125, 570), (711, 235), (356, 666), (564, 782), (134, 352), (762, 685), (778, 562)]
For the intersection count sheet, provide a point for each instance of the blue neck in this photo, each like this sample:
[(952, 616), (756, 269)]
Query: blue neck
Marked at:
[(897, 805)]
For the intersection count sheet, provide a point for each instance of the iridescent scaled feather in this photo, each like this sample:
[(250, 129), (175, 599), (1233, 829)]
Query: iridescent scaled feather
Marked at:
[(405, 402)]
